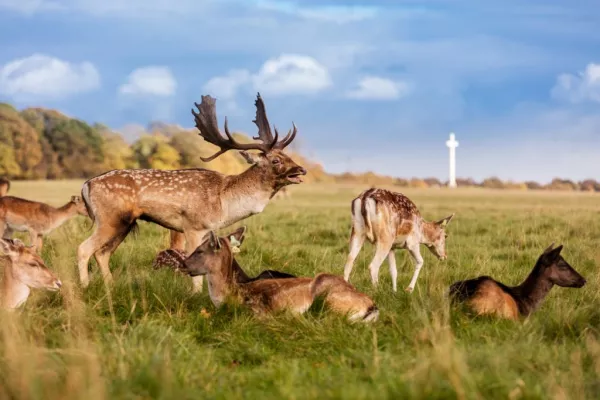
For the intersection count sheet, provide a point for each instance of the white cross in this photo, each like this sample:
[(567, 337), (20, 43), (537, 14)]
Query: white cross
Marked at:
[(452, 145)]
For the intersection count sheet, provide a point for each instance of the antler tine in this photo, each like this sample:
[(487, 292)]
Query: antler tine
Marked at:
[(262, 122), (288, 138), (206, 122)]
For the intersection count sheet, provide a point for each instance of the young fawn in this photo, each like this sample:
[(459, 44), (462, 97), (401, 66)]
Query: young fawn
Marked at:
[(24, 270), (485, 295), (392, 221), (214, 258), (39, 219), (175, 259)]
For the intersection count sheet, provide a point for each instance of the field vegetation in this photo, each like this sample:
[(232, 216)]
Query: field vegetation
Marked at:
[(148, 336)]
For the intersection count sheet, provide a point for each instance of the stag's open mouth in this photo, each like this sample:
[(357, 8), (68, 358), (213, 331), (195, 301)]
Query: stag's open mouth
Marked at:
[(295, 178)]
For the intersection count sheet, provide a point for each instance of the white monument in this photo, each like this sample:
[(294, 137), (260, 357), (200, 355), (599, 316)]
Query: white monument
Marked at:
[(452, 145)]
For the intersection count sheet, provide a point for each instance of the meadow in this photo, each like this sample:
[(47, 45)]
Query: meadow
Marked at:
[(148, 336)]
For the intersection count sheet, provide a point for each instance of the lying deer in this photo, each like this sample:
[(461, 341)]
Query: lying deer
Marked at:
[(175, 260), (392, 221), (24, 270), (484, 295), (189, 202), (39, 219), (4, 186), (214, 258)]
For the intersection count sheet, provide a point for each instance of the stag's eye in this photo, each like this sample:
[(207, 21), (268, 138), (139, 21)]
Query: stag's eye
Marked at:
[(276, 161)]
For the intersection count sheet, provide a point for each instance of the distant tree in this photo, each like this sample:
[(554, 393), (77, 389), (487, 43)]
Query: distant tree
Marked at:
[(533, 185), (492, 183), (153, 151), (589, 185), (466, 182), (433, 182), (562, 184)]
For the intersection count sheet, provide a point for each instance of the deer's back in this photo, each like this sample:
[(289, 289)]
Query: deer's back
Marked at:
[(278, 294), (21, 213), (485, 295)]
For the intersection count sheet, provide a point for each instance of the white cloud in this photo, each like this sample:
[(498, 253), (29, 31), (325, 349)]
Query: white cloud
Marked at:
[(376, 88), (41, 76), (283, 75), (585, 86), (292, 74), (337, 14), (155, 81)]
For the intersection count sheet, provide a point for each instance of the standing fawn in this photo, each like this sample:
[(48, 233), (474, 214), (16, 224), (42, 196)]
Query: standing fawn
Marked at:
[(392, 221), (484, 295), (175, 260), (24, 270), (4, 186), (189, 202), (214, 258), (37, 218)]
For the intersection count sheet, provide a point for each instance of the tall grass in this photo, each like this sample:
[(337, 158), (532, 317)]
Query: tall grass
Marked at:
[(148, 336)]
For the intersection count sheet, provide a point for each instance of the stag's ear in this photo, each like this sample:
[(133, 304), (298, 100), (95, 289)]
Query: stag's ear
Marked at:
[(251, 158), (214, 241), (553, 255), (442, 223), (549, 248)]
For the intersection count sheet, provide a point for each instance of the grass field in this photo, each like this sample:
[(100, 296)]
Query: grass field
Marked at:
[(149, 337)]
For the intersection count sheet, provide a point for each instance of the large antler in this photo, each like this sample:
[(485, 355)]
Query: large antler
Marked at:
[(206, 122)]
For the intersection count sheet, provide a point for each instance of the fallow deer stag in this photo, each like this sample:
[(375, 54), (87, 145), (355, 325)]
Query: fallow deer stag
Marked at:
[(215, 259), (192, 201), (4, 186), (392, 221), (486, 296), (23, 270), (37, 218)]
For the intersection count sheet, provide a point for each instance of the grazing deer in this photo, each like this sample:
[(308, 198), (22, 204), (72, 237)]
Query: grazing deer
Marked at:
[(214, 258), (37, 218), (189, 201), (4, 186), (24, 270), (175, 260), (392, 221), (484, 295)]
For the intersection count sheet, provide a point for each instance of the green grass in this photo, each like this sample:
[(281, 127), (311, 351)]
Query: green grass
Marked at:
[(148, 336)]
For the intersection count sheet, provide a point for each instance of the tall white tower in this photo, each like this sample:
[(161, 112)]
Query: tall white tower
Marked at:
[(452, 145)]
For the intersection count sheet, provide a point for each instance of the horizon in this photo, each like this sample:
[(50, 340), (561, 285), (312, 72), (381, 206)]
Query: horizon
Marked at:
[(372, 85)]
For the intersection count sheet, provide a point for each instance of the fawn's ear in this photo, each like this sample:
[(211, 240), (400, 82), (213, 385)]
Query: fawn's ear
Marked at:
[(237, 238), (214, 241), (10, 247), (553, 255), (251, 158), (549, 248), (442, 223)]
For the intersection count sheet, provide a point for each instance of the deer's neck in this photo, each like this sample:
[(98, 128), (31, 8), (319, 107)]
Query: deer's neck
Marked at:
[(61, 214), (427, 232), (532, 291), (246, 194), (221, 283), (14, 292)]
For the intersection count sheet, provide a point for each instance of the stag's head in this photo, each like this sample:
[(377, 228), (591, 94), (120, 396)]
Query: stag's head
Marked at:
[(270, 157), (437, 235), (27, 266)]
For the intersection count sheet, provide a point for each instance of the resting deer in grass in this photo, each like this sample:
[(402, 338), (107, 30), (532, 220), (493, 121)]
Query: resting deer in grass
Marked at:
[(215, 259), (38, 219), (175, 259), (4, 186), (392, 221), (192, 201), (24, 270), (484, 295)]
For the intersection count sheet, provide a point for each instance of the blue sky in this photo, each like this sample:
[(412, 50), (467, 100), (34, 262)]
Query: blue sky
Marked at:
[(371, 85)]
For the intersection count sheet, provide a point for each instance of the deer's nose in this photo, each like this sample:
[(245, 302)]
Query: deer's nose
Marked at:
[(302, 170), (58, 283)]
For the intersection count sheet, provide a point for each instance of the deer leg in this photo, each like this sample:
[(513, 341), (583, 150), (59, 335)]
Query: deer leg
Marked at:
[(393, 269), (383, 249), (103, 254), (102, 236), (177, 240), (39, 243), (33, 239), (356, 241), (192, 241), (415, 252)]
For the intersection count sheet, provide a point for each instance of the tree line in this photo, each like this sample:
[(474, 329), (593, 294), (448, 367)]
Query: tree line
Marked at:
[(38, 143)]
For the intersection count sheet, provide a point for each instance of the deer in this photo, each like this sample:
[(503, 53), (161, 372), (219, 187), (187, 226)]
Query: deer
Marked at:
[(215, 259), (175, 259), (24, 270), (36, 218), (487, 296), (391, 221), (189, 202), (4, 186)]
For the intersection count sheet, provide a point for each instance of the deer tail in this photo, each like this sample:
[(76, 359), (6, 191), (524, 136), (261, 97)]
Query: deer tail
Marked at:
[(368, 211)]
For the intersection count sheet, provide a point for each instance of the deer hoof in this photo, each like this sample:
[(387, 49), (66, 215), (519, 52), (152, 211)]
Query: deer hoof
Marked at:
[(408, 289)]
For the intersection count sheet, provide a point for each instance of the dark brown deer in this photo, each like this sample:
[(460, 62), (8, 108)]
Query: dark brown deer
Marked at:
[(484, 295), (215, 259), (188, 201), (38, 219), (392, 221), (4, 186), (23, 270)]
